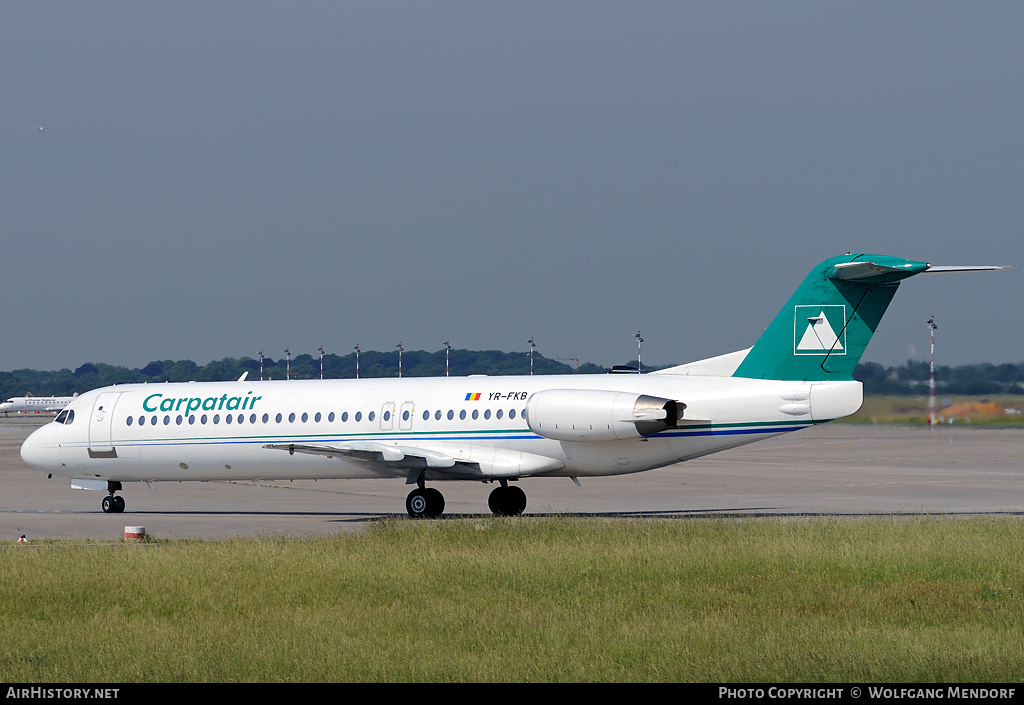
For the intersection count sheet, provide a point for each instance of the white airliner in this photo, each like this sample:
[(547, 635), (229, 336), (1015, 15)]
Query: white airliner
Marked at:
[(34, 404), (485, 429)]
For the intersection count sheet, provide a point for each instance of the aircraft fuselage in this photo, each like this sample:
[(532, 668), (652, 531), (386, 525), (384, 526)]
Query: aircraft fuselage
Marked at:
[(221, 430)]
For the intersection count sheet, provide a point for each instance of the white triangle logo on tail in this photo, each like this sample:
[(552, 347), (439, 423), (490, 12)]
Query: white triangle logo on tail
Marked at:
[(818, 333)]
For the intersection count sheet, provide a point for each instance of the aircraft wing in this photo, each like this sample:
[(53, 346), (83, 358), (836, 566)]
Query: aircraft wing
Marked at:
[(476, 464), (374, 452)]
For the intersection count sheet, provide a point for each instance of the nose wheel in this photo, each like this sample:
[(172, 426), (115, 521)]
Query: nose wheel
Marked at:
[(112, 504)]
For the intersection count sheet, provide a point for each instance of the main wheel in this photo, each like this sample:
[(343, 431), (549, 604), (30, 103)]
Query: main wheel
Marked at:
[(494, 500), (516, 501), (118, 504), (507, 501), (427, 503), (436, 500), (107, 504)]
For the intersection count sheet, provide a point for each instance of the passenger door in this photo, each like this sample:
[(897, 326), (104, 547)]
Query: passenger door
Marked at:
[(100, 422)]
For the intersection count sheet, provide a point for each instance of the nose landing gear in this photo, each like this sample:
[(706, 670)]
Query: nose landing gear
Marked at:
[(112, 503)]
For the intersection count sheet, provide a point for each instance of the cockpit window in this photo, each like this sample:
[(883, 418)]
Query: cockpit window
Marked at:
[(65, 417)]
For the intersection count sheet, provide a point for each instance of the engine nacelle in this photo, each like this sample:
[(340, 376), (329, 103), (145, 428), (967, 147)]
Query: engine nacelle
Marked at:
[(598, 415)]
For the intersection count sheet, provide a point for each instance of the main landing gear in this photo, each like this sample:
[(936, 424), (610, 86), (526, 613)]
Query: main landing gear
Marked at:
[(428, 503), (506, 500), (112, 503), (425, 503)]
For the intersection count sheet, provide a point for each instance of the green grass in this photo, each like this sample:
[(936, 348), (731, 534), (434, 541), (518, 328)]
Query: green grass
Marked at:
[(556, 599)]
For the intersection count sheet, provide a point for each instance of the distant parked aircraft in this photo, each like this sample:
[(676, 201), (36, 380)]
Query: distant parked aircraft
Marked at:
[(32, 404)]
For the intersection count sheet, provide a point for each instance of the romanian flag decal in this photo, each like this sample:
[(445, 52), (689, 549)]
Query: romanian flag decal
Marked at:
[(473, 397)]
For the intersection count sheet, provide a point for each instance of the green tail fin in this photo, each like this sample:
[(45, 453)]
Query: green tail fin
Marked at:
[(822, 331)]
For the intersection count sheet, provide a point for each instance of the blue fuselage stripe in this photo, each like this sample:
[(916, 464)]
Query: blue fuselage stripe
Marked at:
[(426, 437)]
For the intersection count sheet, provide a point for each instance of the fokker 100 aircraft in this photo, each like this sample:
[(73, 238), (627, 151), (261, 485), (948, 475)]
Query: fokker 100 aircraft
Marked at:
[(485, 429)]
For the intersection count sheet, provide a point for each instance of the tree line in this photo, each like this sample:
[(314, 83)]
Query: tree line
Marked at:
[(415, 363), (911, 378)]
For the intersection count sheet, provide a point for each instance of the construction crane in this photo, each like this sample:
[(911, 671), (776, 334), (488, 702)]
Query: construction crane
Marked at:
[(577, 359)]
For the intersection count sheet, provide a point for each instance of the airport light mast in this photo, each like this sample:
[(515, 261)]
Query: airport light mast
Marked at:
[(931, 381), (400, 349), (532, 346), (321, 349), (288, 364), (447, 350), (639, 342), (261, 365), (357, 360)]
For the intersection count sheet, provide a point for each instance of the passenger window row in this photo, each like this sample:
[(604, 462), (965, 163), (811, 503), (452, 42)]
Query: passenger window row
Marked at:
[(155, 420)]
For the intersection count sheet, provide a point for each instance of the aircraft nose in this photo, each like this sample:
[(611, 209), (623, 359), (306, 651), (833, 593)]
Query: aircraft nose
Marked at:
[(36, 453)]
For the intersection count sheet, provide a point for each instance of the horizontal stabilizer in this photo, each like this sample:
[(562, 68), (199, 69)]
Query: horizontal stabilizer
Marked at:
[(868, 271), (964, 268), (874, 272)]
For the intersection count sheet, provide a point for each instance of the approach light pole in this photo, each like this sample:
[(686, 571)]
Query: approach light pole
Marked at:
[(261, 365), (400, 349), (447, 350), (288, 364), (639, 342), (931, 381), (357, 360), (532, 346), (321, 349)]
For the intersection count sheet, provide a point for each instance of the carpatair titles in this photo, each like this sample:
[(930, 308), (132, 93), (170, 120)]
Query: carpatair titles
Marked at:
[(157, 402)]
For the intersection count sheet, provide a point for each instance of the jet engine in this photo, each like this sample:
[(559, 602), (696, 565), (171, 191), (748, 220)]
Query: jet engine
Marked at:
[(598, 415)]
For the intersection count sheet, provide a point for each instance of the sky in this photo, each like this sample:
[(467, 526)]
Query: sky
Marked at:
[(197, 180)]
